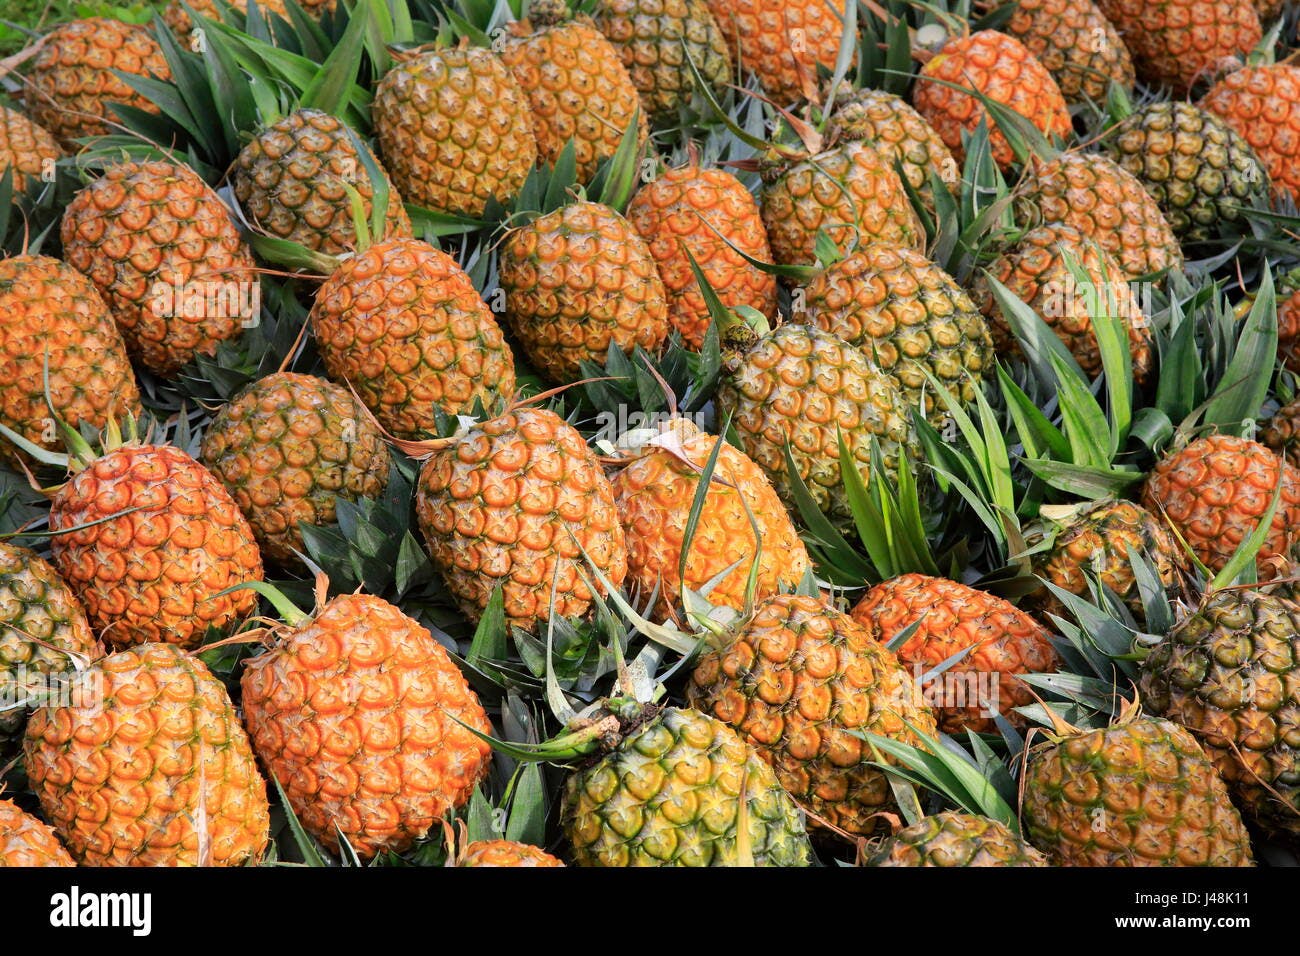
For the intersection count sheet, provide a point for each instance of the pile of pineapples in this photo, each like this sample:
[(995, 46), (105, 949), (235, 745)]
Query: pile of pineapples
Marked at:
[(651, 432)]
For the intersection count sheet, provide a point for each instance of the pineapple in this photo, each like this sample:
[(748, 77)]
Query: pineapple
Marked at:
[(1281, 433), (741, 517), (168, 259), (73, 80), (1001, 68), (807, 387), (1215, 490), (26, 148), (1262, 103), (286, 448), (1228, 673), (576, 281), (148, 766), (1097, 539), (1140, 792), (850, 191), (1182, 43), (1001, 642), (1037, 270), (520, 502), (44, 634), (956, 839), (1288, 320), (500, 853), (710, 215), (26, 841), (366, 722), (403, 325), (149, 539), (455, 129), (667, 790), (1106, 204), (56, 321), (658, 40), (908, 316), (800, 682), (179, 22), (1077, 44), (1200, 171), (292, 180), (782, 42), (575, 82), (895, 129)]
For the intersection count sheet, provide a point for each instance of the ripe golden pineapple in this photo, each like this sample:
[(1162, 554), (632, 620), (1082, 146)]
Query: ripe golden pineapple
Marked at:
[(520, 502), (55, 320), (26, 841), (1037, 271), (147, 765), (1262, 103), (357, 711), (898, 131), (908, 316), (1097, 539), (667, 791), (286, 447), (677, 214), (1215, 490), (72, 81), (1096, 196), (25, 147), (1140, 792), (403, 325), (167, 257), (807, 387), (1281, 433), (800, 682), (148, 538), (42, 627), (950, 617), (655, 38), (850, 190), (654, 494), (956, 839), (575, 82), (1000, 67), (576, 281), (1200, 171), (782, 42), (1183, 43), (1288, 319), (292, 180), (1077, 44), (456, 129), (498, 853), (1228, 673)]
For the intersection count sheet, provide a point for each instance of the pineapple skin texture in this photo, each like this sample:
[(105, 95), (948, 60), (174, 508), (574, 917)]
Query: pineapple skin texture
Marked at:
[(797, 683), (352, 712), (956, 839), (508, 503), (1136, 794), (24, 147), (71, 81), (678, 213), (1230, 673), (285, 447), (781, 42), (506, 853), (455, 129), (404, 326), (669, 795), (26, 841), (1262, 103), (1078, 45), (153, 574), (1003, 69), (124, 783), (1004, 641), (142, 230), (50, 308)]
